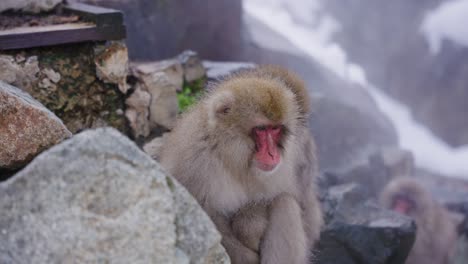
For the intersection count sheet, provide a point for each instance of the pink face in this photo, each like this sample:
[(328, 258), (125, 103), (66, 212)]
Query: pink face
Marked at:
[(402, 205), (267, 138)]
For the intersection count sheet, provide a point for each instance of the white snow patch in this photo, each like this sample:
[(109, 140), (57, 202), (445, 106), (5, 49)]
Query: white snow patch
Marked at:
[(447, 21), (429, 151)]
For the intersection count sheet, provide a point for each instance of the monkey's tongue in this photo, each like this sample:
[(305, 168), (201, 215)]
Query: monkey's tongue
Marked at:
[(401, 206)]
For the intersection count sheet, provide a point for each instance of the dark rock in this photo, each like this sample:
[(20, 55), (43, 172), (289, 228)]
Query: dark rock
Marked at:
[(359, 232), (192, 65), (461, 253), (387, 41), (380, 168)]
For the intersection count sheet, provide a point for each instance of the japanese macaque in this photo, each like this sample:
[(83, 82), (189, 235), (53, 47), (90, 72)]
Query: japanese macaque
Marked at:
[(436, 230), (245, 153)]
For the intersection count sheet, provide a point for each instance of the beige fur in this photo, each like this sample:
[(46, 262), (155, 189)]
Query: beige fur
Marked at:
[(264, 217), (436, 232)]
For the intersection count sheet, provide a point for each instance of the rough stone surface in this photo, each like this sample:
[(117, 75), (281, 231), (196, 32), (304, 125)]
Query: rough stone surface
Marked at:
[(163, 106), (97, 198), (137, 112), (216, 70), (34, 6), (21, 72), (193, 67), (359, 232), (64, 79), (196, 234), (172, 68), (112, 64), (26, 127)]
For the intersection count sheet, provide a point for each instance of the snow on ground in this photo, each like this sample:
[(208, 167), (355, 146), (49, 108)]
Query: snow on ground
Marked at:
[(429, 151), (447, 21)]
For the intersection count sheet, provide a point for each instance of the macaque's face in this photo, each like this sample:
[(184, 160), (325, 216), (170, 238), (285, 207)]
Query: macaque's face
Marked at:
[(403, 204), (267, 146)]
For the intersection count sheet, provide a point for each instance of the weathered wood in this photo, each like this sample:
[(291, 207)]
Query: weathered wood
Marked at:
[(103, 24), (99, 15), (61, 34)]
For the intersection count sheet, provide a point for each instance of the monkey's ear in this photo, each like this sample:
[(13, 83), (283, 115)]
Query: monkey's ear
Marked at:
[(220, 105)]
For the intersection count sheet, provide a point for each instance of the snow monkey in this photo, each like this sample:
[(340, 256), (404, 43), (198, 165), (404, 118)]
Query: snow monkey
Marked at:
[(436, 230), (245, 152)]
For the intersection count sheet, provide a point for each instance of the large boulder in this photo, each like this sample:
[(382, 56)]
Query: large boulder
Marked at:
[(388, 41), (98, 198), (26, 127)]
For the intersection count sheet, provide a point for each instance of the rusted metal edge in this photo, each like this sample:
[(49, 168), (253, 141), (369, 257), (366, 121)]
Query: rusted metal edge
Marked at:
[(107, 24)]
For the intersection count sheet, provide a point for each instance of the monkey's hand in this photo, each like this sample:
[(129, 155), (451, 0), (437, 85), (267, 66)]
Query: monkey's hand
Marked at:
[(249, 224), (237, 251)]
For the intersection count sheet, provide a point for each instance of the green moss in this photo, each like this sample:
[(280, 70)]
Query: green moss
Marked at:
[(80, 99), (190, 94)]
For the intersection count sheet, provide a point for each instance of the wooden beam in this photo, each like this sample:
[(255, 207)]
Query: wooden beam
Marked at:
[(102, 24), (99, 15), (59, 35)]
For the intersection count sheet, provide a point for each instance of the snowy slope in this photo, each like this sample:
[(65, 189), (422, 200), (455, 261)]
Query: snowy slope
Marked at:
[(313, 36)]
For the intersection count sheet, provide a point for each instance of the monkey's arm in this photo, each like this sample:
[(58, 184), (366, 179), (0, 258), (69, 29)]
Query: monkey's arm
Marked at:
[(238, 252), (312, 216), (285, 239)]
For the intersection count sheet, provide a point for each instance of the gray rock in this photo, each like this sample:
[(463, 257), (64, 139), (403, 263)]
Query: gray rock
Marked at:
[(26, 127), (193, 67), (164, 105), (22, 72), (137, 111), (171, 67), (380, 168), (97, 198), (359, 232), (34, 6), (216, 70), (111, 62)]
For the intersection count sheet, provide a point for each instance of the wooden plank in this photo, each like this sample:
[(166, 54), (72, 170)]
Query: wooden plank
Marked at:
[(63, 36), (104, 24), (99, 15)]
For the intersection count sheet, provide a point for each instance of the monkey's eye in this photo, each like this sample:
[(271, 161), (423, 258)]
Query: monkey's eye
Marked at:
[(224, 110), (261, 128)]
